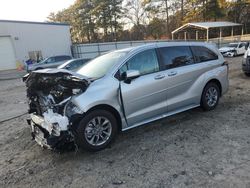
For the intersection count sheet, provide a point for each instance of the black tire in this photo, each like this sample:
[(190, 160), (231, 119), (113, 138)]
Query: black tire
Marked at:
[(206, 104), (86, 121), (247, 74)]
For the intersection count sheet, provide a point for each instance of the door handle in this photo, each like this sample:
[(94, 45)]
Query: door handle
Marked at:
[(159, 76), (172, 73)]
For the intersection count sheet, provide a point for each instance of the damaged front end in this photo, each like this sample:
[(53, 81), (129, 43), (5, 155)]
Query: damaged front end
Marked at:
[(49, 93)]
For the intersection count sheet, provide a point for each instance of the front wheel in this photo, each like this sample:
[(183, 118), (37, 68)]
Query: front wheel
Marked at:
[(96, 130), (210, 96)]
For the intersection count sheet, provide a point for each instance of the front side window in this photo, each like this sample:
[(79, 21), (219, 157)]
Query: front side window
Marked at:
[(145, 62), (50, 60), (176, 56), (203, 54)]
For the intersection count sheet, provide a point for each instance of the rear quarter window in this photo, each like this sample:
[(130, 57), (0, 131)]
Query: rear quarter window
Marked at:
[(203, 54)]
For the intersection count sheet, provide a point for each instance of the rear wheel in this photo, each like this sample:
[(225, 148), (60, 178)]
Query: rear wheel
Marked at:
[(210, 96), (96, 130)]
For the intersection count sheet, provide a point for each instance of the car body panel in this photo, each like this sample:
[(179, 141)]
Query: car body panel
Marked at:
[(142, 104), (144, 97)]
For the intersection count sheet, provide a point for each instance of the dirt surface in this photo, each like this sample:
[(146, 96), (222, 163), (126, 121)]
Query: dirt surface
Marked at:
[(191, 149), (12, 99)]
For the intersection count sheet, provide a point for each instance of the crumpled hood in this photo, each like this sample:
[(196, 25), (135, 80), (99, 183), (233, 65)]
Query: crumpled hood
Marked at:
[(50, 77), (226, 49), (52, 89)]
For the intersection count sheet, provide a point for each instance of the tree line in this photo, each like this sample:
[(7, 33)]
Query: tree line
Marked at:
[(123, 20)]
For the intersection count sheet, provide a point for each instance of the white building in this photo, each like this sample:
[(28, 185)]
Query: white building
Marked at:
[(21, 40)]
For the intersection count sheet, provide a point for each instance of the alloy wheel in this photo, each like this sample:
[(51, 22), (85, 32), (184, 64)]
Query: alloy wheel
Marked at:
[(98, 131), (211, 96)]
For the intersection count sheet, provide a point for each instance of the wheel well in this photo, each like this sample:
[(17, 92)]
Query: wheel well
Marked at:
[(217, 82), (110, 109)]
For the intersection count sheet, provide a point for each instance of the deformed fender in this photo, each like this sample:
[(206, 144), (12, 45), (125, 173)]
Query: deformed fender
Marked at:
[(109, 96)]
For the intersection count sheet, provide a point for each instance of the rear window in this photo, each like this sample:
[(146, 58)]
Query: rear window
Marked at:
[(202, 54), (176, 56)]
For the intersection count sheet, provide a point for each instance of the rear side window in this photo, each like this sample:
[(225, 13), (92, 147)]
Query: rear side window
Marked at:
[(202, 54), (176, 56)]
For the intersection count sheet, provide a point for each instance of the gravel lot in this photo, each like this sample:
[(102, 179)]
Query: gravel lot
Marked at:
[(191, 149)]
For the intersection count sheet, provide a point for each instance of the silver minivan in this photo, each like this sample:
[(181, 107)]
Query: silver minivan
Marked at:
[(121, 90)]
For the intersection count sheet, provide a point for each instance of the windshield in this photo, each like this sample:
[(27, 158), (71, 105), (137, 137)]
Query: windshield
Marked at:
[(99, 66), (233, 45)]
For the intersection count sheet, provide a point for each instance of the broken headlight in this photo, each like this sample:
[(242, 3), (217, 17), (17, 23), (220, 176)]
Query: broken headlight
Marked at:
[(71, 109)]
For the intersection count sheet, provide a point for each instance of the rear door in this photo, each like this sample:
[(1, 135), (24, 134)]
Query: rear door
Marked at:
[(145, 97), (179, 68), (182, 69)]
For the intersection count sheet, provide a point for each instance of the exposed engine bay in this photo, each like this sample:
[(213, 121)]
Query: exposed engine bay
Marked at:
[(49, 91)]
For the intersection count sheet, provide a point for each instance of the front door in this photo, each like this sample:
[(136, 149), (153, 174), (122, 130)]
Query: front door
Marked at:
[(145, 97)]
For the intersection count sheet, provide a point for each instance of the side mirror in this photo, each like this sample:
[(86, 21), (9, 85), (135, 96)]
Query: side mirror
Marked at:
[(129, 75)]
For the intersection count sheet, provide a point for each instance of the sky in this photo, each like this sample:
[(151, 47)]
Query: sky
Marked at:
[(31, 10)]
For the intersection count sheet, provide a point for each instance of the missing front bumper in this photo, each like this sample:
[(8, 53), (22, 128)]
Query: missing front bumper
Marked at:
[(48, 139)]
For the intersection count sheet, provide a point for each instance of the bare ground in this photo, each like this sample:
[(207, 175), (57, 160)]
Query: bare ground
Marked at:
[(191, 149)]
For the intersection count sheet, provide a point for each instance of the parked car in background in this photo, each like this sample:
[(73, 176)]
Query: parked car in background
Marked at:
[(121, 90), (246, 62), (50, 62), (234, 49), (73, 64)]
